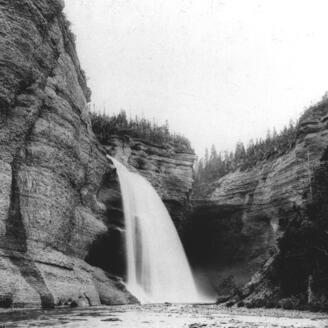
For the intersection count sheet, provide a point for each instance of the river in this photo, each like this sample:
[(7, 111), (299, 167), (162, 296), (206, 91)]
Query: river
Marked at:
[(163, 316)]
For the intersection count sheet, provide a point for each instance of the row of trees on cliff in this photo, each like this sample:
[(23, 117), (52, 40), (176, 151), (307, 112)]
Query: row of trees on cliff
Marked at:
[(105, 126), (215, 165)]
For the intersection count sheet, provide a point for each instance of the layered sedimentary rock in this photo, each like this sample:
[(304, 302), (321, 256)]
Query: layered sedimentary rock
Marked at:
[(51, 166), (170, 172), (246, 211)]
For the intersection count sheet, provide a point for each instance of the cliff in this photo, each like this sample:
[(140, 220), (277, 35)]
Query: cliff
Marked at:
[(245, 213), (52, 168)]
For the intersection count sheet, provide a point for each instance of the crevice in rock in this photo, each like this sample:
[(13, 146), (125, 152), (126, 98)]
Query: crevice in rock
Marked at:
[(87, 298), (15, 229), (33, 277)]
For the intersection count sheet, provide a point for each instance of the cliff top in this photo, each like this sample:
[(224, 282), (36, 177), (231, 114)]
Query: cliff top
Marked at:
[(106, 126)]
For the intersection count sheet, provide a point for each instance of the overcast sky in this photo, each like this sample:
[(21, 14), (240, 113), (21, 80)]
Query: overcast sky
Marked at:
[(219, 71)]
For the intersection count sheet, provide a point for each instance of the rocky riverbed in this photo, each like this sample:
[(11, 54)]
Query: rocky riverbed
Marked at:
[(163, 316)]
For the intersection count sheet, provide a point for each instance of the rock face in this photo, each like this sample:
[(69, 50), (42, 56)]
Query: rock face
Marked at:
[(170, 172), (238, 224), (51, 167)]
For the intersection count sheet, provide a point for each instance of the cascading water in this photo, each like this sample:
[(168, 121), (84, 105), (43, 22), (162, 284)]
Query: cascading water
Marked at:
[(157, 268)]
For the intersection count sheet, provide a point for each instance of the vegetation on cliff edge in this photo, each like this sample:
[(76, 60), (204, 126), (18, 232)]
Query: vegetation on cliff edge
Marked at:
[(215, 164), (105, 127)]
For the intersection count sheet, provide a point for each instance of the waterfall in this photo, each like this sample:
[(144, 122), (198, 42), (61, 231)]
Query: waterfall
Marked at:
[(157, 267)]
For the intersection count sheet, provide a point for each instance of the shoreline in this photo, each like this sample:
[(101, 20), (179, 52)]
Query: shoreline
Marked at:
[(163, 315)]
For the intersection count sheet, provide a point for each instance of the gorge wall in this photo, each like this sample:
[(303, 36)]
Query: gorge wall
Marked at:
[(61, 220), (51, 166), (245, 212)]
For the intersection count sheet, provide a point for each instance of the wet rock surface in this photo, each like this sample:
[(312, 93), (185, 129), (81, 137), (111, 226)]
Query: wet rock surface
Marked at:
[(164, 316)]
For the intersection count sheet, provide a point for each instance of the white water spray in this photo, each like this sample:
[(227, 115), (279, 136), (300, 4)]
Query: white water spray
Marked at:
[(157, 268)]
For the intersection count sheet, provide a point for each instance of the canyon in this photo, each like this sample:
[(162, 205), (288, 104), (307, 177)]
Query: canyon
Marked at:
[(61, 217)]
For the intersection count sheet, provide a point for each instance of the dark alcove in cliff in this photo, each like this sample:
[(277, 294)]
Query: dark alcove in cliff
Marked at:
[(212, 235), (214, 243), (108, 250)]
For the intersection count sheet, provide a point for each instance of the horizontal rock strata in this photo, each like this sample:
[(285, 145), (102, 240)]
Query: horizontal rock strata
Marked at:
[(246, 211), (51, 166)]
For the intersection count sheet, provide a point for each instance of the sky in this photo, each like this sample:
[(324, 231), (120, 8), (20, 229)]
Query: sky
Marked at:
[(220, 71)]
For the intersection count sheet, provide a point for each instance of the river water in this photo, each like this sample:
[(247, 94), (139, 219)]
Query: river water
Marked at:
[(164, 316)]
